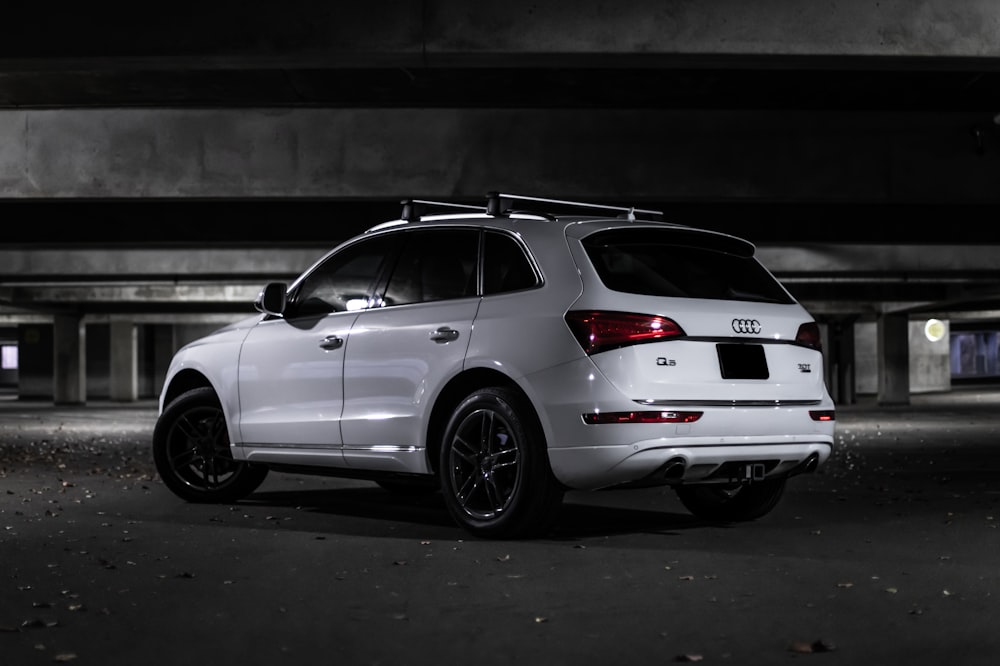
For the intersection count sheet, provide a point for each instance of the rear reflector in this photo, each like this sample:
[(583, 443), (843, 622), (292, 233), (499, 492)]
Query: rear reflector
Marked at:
[(823, 415), (603, 330), (641, 417)]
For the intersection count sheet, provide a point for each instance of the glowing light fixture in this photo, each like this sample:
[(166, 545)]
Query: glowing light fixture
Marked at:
[(934, 329)]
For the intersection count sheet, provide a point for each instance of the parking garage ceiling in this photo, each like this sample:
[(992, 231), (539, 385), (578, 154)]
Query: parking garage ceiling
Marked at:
[(851, 84), (846, 84), (302, 53)]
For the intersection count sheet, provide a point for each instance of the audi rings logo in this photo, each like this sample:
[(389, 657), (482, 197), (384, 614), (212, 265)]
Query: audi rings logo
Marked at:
[(746, 326)]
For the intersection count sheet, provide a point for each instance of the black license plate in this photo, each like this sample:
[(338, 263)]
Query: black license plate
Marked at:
[(742, 361)]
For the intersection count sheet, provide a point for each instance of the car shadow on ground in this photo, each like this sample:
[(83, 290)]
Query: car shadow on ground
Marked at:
[(593, 520), (378, 508)]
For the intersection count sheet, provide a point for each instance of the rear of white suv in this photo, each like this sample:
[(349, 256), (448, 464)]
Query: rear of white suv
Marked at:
[(503, 357), (707, 371)]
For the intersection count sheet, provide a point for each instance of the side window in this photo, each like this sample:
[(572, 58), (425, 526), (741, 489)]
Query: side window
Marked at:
[(344, 281), (505, 266), (434, 265)]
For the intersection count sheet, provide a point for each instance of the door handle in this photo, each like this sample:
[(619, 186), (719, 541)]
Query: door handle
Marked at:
[(444, 334), (331, 342)]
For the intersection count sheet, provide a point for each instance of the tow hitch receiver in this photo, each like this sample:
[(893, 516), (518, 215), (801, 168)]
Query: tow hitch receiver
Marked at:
[(752, 472)]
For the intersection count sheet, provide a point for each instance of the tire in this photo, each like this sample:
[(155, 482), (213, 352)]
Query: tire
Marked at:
[(736, 503), (192, 455), (495, 474)]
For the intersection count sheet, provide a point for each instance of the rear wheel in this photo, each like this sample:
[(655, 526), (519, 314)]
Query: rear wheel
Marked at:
[(192, 455), (495, 474), (732, 503)]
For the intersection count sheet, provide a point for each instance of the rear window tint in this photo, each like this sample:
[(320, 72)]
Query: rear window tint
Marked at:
[(505, 267), (664, 262)]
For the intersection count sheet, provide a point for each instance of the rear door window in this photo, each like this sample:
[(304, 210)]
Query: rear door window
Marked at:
[(434, 265)]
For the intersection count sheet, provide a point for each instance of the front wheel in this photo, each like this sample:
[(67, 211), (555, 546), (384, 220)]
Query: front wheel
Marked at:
[(495, 474), (192, 455), (736, 503)]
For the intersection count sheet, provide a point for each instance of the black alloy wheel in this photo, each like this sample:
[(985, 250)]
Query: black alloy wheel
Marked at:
[(192, 454), (495, 473)]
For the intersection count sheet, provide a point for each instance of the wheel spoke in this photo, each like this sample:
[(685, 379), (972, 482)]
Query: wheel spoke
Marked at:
[(211, 472), (468, 489), (465, 453), (510, 464), (201, 444), (462, 449), (189, 428), (464, 469), (494, 497), (486, 429), (184, 458), (216, 426), (507, 456)]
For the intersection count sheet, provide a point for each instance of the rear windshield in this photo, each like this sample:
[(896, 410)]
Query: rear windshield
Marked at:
[(685, 264)]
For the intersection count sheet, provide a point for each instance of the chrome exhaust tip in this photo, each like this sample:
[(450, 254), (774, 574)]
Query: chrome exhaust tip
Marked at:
[(806, 466), (673, 470)]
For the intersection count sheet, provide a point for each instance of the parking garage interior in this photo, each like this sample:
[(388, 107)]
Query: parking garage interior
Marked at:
[(155, 174)]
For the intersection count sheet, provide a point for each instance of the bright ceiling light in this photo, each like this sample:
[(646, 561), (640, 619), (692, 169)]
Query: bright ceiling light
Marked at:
[(934, 329)]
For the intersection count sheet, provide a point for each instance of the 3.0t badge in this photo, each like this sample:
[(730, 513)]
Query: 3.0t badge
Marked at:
[(746, 326)]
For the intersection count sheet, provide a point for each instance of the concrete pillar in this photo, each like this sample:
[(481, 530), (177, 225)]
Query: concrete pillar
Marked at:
[(69, 360), (124, 384), (841, 362), (164, 345), (36, 362), (893, 359)]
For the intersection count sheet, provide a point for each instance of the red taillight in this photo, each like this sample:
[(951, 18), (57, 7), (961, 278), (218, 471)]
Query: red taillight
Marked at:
[(603, 330), (641, 417), (808, 335), (824, 415)]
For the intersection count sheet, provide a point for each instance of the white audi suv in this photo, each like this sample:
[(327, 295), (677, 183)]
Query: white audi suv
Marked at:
[(504, 354)]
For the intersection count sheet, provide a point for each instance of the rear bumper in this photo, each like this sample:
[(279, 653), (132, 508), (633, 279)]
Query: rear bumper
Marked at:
[(593, 467), (775, 429)]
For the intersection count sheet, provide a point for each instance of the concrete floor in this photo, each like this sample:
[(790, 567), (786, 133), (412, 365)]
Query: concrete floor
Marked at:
[(885, 556)]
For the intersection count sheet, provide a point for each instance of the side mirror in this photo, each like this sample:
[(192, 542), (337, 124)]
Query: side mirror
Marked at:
[(272, 299)]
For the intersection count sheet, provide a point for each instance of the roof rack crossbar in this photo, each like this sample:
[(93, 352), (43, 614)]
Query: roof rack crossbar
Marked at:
[(412, 214), (493, 206)]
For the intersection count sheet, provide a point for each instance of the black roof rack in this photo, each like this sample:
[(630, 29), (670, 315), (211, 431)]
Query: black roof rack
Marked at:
[(495, 201), (412, 207), (495, 205)]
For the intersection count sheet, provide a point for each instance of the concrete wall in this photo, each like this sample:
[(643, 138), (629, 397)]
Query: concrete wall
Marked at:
[(930, 363), (624, 154)]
